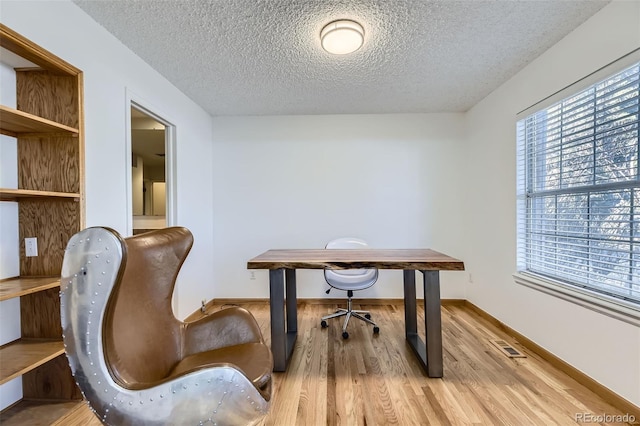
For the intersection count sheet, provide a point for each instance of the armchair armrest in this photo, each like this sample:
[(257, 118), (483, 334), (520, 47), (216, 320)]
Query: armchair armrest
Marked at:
[(227, 327)]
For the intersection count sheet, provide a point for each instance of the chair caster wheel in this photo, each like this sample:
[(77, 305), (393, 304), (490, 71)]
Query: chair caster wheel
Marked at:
[(345, 335), (376, 330), (323, 324), (368, 316)]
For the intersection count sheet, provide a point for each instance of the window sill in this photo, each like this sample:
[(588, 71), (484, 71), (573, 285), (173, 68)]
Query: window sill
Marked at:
[(614, 308)]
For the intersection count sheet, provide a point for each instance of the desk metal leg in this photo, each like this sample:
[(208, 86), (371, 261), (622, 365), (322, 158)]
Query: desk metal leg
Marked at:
[(282, 339), (430, 356), (410, 313), (411, 318), (292, 301), (433, 322), (278, 333)]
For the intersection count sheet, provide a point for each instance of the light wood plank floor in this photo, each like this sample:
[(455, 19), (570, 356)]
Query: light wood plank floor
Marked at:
[(375, 380)]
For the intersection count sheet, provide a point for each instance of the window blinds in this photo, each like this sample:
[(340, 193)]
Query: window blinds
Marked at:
[(579, 188)]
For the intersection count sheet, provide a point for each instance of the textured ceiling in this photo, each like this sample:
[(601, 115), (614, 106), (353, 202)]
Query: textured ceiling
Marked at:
[(257, 57)]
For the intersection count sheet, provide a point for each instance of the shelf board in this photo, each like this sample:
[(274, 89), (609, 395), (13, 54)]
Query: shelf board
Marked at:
[(37, 413), (7, 194), (15, 123), (23, 355), (21, 286)]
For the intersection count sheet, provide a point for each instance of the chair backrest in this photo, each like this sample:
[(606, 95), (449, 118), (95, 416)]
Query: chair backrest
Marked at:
[(142, 337), (350, 279)]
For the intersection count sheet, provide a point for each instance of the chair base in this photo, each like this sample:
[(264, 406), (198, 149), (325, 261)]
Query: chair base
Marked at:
[(348, 313)]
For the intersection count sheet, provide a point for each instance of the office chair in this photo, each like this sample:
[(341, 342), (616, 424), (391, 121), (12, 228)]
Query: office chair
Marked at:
[(349, 280), (135, 363)]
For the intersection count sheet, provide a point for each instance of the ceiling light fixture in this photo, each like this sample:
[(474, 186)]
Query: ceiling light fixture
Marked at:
[(342, 37)]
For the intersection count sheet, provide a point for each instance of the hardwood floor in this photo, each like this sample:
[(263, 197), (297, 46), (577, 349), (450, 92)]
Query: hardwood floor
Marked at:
[(375, 379)]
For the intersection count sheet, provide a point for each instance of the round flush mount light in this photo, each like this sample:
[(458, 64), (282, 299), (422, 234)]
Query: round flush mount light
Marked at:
[(342, 37)]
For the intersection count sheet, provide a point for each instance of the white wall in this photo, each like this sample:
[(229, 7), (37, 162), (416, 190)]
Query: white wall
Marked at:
[(9, 244), (298, 181), (11, 391), (111, 72), (606, 349)]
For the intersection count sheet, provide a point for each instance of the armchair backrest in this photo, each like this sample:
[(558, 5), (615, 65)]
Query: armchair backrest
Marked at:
[(142, 338)]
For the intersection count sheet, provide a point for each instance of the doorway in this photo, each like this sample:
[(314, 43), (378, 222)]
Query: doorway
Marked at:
[(150, 175)]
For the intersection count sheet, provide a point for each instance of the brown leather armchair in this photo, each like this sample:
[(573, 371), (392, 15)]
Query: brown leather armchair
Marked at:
[(133, 360)]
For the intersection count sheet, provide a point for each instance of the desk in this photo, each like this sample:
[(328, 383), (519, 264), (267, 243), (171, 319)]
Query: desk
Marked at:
[(282, 265)]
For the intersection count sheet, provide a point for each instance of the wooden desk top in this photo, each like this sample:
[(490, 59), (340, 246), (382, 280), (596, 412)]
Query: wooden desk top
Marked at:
[(420, 259)]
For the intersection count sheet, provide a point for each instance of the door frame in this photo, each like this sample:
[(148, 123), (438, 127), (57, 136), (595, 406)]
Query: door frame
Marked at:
[(170, 161)]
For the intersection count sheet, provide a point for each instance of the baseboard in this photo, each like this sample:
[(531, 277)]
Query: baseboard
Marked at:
[(602, 391), (207, 307), (327, 300)]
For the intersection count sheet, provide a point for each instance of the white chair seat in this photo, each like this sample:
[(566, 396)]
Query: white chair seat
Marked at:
[(351, 279)]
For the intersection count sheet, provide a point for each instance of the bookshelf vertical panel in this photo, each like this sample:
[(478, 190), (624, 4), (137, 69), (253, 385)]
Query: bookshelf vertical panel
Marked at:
[(40, 315), (49, 163), (53, 223), (48, 95), (51, 381)]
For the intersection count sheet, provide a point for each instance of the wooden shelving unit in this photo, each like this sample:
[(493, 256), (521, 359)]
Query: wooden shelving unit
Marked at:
[(48, 126)]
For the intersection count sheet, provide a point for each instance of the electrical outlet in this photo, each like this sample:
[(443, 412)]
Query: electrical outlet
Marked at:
[(31, 247), (252, 275)]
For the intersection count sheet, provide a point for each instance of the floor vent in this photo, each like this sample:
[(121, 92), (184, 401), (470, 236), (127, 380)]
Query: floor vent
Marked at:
[(507, 349)]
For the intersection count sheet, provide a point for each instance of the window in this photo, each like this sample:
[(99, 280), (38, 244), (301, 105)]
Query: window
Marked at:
[(579, 189)]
